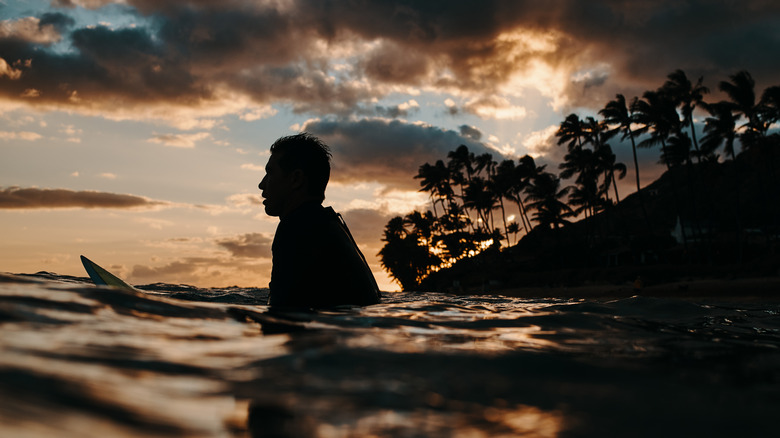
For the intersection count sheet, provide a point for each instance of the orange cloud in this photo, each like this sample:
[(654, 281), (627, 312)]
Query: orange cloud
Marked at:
[(251, 245)]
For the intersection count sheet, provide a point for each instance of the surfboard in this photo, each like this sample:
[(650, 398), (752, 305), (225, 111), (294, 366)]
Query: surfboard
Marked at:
[(102, 277)]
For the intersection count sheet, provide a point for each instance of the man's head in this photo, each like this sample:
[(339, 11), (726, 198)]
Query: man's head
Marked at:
[(297, 172)]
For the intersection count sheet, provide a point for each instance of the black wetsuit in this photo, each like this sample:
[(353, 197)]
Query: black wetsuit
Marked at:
[(316, 262)]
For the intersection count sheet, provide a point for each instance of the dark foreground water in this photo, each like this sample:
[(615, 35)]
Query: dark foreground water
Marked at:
[(81, 361)]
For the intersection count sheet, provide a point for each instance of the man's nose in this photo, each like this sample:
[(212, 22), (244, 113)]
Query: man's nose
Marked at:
[(262, 183)]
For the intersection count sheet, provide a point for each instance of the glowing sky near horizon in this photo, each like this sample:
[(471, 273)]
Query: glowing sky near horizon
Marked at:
[(135, 132)]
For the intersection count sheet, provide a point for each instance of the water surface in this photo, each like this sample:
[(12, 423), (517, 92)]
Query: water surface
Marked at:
[(82, 361)]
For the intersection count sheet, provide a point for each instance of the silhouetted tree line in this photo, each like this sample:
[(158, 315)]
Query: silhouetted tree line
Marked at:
[(469, 193)]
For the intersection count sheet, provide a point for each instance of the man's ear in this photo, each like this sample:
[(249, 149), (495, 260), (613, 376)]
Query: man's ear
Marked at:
[(298, 179)]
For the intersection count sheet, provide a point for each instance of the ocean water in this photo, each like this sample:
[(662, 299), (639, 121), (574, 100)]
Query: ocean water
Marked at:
[(177, 361)]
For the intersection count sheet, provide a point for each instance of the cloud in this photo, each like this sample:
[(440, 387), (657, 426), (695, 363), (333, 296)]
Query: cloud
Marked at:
[(470, 132), (59, 21), (8, 71), (44, 31), (386, 151), (206, 271), (393, 63), (367, 225), (263, 112), (544, 143), (17, 198), (88, 4), (175, 268), (395, 111), (494, 107), (184, 61), (253, 167), (250, 245), (22, 135), (179, 140)]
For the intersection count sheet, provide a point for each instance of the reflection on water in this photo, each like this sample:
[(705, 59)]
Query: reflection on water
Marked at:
[(176, 361)]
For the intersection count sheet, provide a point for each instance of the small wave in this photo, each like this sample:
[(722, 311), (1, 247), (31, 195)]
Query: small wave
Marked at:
[(176, 360)]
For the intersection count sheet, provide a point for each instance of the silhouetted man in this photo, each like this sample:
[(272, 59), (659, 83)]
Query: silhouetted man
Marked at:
[(316, 262)]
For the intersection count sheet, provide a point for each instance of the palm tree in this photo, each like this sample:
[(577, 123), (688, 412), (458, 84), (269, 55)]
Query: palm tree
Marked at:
[(686, 95), (456, 219), (741, 91), (546, 194), (659, 115), (415, 244), (584, 164), (525, 171), (436, 181), (484, 162), (616, 112), (770, 105), (479, 197), (459, 160), (605, 160), (514, 229), (572, 132), (608, 161), (423, 226), (394, 255), (584, 198), (678, 150), (719, 129), (501, 184)]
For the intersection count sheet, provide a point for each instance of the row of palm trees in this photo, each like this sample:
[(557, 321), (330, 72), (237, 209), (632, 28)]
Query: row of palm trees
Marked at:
[(469, 193)]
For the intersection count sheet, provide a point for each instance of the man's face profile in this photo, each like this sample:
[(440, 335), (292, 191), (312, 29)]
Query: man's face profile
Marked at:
[(276, 187)]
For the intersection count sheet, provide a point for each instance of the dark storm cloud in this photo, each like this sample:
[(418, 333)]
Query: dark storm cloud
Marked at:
[(393, 63), (470, 132), (29, 198), (109, 64), (187, 51), (61, 22), (251, 245), (393, 111), (389, 152)]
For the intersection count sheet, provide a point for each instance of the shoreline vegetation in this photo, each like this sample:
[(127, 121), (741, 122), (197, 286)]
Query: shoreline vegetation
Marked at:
[(709, 226)]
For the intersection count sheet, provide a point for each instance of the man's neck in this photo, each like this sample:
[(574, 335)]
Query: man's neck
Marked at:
[(294, 206)]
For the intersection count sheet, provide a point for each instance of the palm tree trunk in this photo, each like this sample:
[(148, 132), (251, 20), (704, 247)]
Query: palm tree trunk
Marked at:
[(433, 203), (693, 137), (503, 217), (466, 210), (638, 187), (614, 186), (523, 216)]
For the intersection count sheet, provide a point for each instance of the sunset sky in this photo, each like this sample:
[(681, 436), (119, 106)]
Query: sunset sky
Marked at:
[(135, 132)]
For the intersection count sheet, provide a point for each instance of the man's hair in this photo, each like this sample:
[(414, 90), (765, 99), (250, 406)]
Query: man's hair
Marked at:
[(308, 153)]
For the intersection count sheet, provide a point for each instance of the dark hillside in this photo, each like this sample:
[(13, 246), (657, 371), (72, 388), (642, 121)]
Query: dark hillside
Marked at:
[(694, 210)]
